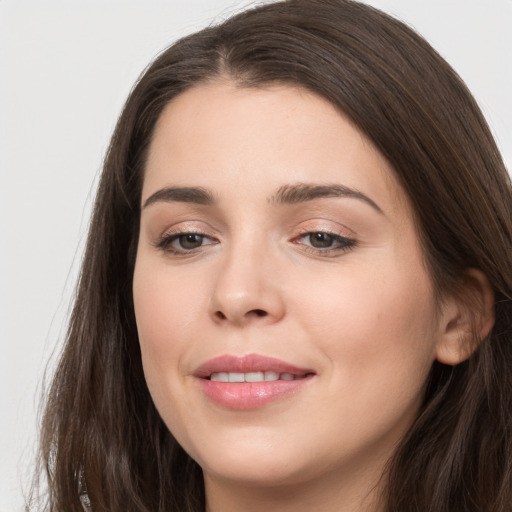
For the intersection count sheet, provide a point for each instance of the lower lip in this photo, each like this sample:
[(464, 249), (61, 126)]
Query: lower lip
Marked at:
[(249, 395)]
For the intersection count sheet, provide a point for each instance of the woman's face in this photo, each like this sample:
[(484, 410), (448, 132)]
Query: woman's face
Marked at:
[(278, 251)]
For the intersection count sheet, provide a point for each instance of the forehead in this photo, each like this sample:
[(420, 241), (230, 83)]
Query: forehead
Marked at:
[(251, 140)]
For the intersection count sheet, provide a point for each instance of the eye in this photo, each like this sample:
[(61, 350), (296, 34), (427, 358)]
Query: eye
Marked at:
[(190, 241), (183, 243), (324, 242), (321, 240)]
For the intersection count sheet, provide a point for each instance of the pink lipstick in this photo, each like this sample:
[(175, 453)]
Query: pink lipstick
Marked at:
[(250, 381)]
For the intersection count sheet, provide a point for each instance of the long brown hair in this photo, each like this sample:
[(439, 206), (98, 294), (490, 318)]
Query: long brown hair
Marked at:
[(101, 433)]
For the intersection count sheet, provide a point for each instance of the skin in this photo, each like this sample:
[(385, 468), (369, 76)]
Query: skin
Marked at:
[(362, 315)]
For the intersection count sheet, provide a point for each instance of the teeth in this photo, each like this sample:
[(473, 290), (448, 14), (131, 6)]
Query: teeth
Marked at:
[(252, 376), (220, 377)]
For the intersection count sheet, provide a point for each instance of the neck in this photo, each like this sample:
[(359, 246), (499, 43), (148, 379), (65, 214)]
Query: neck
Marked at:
[(357, 492)]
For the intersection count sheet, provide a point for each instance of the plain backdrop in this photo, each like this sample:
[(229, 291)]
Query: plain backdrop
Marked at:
[(66, 68)]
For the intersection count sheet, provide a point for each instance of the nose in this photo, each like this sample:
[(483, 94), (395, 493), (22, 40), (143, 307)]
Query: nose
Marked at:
[(247, 290)]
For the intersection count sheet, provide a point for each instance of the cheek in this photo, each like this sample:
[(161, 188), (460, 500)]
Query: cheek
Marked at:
[(166, 304), (169, 310), (166, 310), (375, 321), (376, 332)]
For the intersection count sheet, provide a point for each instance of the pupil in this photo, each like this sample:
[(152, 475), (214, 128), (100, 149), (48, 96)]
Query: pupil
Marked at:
[(191, 241), (320, 240)]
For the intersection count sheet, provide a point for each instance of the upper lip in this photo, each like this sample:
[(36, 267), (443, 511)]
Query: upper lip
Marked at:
[(248, 363)]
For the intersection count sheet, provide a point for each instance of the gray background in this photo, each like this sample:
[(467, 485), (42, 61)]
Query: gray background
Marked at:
[(66, 68)]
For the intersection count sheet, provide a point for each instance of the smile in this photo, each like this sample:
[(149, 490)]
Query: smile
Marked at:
[(249, 382), (267, 376)]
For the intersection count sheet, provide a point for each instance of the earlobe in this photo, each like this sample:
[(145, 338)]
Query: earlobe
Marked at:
[(467, 318)]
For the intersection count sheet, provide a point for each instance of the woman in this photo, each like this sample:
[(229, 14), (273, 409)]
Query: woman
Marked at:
[(296, 291)]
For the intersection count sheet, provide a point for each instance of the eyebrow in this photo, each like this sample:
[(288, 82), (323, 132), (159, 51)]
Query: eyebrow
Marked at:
[(196, 195), (302, 192), (287, 194)]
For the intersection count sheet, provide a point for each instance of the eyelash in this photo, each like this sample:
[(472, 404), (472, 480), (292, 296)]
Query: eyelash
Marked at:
[(164, 243), (342, 243)]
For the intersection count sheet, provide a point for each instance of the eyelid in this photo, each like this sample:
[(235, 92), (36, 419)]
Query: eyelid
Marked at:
[(163, 242), (324, 226), (197, 227), (346, 239)]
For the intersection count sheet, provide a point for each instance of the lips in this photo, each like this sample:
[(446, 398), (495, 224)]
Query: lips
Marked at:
[(266, 376), (249, 382)]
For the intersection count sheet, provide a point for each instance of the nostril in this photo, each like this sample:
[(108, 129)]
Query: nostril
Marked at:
[(258, 312)]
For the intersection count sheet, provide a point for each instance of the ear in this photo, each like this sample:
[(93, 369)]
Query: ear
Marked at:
[(467, 317)]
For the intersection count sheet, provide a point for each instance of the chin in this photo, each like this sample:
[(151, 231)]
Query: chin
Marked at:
[(261, 472), (247, 462)]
